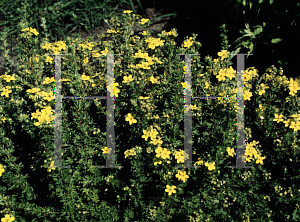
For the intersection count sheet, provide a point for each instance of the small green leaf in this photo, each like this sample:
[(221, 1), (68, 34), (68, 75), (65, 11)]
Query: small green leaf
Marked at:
[(271, 2), (251, 47), (258, 30), (295, 215), (216, 200), (276, 40)]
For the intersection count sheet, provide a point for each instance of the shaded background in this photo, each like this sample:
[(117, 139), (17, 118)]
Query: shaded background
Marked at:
[(205, 18), (191, 16)]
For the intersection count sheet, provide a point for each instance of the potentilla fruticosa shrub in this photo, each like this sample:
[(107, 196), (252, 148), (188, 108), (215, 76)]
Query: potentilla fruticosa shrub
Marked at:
[(149, 133)]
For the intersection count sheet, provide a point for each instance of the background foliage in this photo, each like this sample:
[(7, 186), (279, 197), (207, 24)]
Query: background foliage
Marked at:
[(268, 28)]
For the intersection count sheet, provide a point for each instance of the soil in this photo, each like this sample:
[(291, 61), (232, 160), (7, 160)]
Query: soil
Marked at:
[(157, 27)]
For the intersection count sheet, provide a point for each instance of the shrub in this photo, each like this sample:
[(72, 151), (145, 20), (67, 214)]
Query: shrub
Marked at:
[(149, 128)]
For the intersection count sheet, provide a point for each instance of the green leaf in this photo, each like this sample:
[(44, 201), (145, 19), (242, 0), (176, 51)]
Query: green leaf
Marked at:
[(271, 2), (205, 134), (258, 30), (295, 214), (276, 40), (251, 47), (216, 200)]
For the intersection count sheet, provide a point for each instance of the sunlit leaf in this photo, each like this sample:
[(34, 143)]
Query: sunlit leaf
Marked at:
[(276, 40)]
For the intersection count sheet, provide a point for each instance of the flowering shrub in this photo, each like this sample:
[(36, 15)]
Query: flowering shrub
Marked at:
[(149, 128)]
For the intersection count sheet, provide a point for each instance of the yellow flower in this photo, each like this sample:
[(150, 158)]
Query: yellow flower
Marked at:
[(6, 91), (188, 43), (34, 31), (129, 153), (211, 166), (206, 85), (111, 31), (9, 78), (181, 175), (143, 33), (127, 79), (86, 60), (105, 151), (247, 95), (153, 134), (55, 50), (262, 89), (170, 189), (143, 21), (183, 84), (149, 150), (157, 161), (48, 80), (130, 119), (199, 162), (152, 79), (104, 51), (216, 60), (146, 135), (51, 167), (24, 30), (223, 54), (260, 160), (127, 11), (230, 72), (278, 118), (230, 151), (179, 155), (49, 96), (113, 87), (1, 170), (293, 87), (153, 42), (158, 152), (165, 154), (8, 218), (84, 77), (49, 59), (156, 141), (46, 46), (221, 75)]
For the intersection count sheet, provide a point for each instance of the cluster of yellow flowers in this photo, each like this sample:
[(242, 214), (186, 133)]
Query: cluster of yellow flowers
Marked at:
[(52, 167), (279, 190), (8, 217), (251, 151), (293, 124), (161, 153)]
